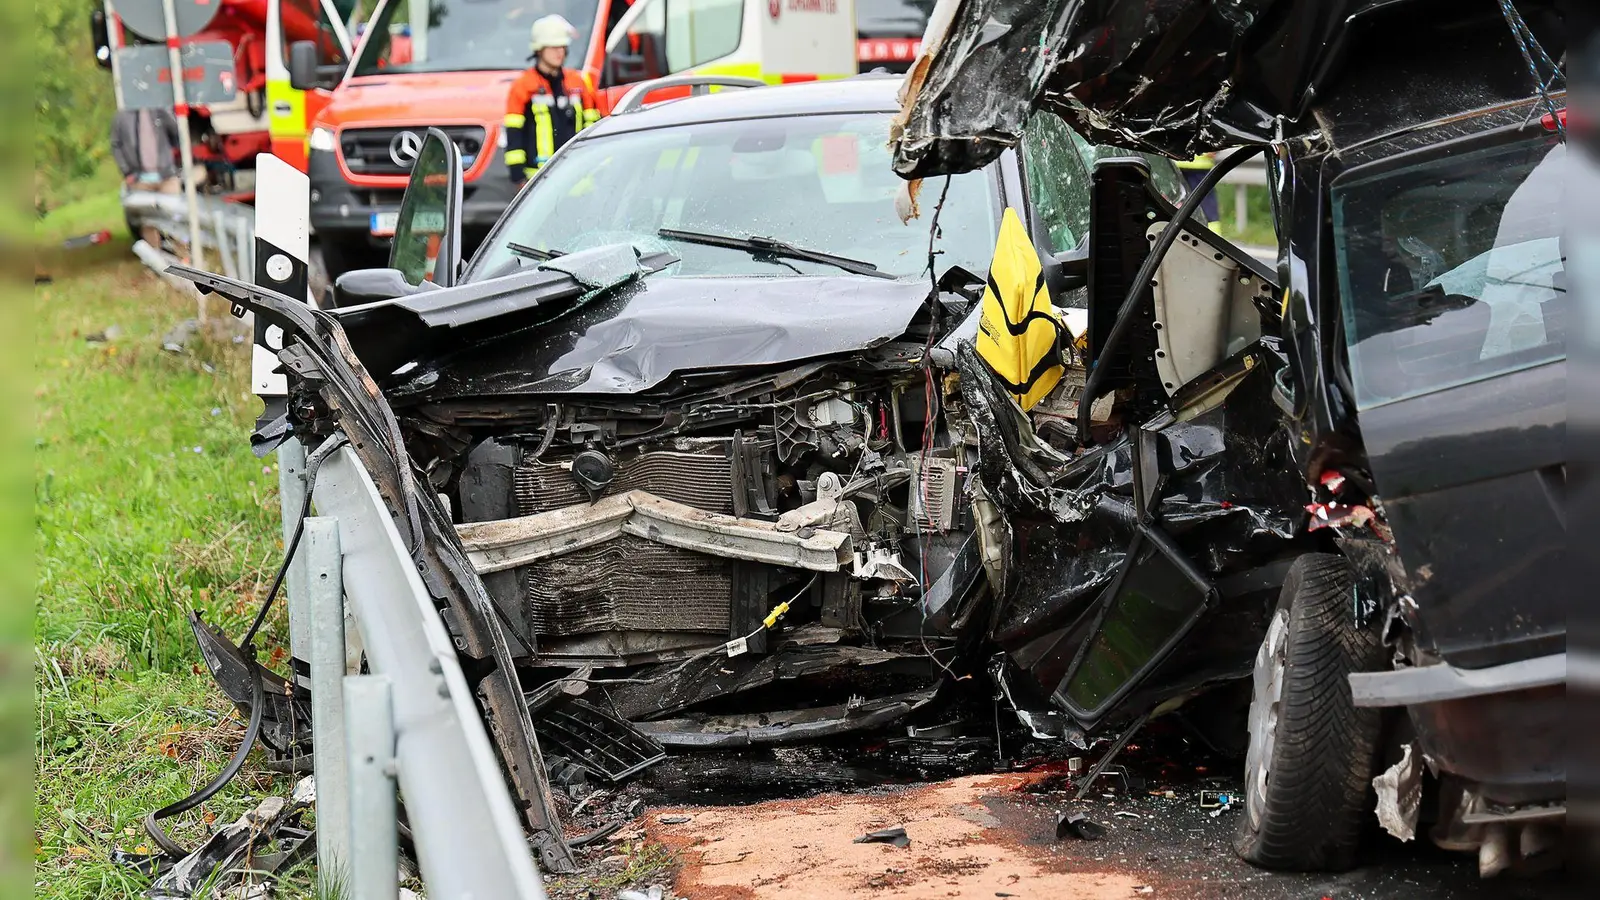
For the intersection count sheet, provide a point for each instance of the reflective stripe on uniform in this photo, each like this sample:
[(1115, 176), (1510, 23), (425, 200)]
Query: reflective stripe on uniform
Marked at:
[(544, 138), (516, 157), (516, 120)]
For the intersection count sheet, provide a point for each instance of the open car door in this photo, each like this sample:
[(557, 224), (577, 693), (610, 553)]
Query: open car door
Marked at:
[(427, 237)]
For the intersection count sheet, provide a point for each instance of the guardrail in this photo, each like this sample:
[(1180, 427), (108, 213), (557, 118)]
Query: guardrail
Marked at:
[(227, 230), (412, 723)]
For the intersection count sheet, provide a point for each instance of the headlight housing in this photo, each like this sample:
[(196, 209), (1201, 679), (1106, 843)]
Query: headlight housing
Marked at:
[(322, 139)]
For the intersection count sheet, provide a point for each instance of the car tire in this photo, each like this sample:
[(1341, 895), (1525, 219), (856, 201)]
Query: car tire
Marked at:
[(1308, 771)]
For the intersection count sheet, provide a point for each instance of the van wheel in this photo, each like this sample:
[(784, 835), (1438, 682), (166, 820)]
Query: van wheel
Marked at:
[(1308, 769)]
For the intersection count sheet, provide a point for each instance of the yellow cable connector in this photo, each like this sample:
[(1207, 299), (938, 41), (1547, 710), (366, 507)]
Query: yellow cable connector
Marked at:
[(777, 613)]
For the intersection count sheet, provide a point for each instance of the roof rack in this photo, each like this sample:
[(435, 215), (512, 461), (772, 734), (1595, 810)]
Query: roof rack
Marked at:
[(697, 84)]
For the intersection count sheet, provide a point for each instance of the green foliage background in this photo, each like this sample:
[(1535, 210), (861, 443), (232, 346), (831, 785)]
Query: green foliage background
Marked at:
[(72, 101)]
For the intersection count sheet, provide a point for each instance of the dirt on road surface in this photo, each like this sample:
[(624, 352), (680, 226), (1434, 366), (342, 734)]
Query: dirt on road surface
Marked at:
[(806, 848), (994, 835)]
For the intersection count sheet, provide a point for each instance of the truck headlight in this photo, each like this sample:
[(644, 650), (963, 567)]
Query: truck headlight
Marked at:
[(322, 139)]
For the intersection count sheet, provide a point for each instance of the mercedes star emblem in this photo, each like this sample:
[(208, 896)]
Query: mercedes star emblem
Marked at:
[(404, 148)]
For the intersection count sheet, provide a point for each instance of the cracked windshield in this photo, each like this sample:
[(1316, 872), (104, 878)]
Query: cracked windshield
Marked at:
[(433, 36), (819, 183)]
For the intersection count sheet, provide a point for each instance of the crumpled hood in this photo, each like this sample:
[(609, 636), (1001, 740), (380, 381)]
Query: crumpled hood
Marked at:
[(1175, 76), (633, 338)]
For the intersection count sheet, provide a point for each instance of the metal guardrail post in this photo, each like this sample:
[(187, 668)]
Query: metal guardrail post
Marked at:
[(292, 494), (469, 837), (374, 834), (324, 576), (245, 240), (230, 266)]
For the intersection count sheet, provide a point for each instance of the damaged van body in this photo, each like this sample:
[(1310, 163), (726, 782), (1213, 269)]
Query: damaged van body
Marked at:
[(1417, 159), (736, 506)]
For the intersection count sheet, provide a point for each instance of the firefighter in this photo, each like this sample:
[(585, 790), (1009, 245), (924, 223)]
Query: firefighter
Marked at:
[(547, 104)]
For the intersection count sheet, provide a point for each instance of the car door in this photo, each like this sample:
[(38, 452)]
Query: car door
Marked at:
[(1452, 281)]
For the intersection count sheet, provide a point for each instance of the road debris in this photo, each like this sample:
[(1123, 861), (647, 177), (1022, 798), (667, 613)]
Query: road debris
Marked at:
[(895, 836), (1078, 825), (1399, 790)]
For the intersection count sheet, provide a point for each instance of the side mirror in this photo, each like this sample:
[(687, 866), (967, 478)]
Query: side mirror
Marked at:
[(427, 236), (1068, 270), (303, 74), (100, 34), (361, 286)]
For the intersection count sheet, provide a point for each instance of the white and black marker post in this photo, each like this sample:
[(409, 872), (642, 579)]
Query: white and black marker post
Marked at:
[(283, 245), (180, 111)]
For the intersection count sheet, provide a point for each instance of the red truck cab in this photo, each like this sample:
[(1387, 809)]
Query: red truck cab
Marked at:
[(419, 63)]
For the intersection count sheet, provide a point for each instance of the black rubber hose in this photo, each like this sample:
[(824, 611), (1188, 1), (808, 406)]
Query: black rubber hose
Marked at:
[(258, 701), (1124, 321)]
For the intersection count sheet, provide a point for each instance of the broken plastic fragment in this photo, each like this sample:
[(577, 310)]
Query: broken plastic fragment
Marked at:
[(896, 836), (1399, 790), (1078, 825)]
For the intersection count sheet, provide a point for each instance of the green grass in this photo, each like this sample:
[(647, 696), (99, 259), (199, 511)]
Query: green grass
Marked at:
[(89, 205), (1258, 216), (147, 503)]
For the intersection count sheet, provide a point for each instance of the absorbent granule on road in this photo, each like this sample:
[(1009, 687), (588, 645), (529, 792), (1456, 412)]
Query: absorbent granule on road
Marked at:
[(807, 849)]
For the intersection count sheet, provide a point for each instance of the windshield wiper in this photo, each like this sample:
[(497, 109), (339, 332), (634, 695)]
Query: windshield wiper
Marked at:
[(775, 248), (533, 252)]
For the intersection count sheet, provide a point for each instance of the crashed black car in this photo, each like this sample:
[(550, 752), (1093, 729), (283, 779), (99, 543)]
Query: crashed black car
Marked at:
[(1418, 163), (732, 447)]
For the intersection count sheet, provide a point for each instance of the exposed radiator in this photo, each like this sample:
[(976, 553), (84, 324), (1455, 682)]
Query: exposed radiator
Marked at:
[(629, 584), (700, 480)]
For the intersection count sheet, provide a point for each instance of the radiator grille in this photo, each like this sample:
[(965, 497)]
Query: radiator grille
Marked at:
[(629, 584), (695, 479), (367, 151)]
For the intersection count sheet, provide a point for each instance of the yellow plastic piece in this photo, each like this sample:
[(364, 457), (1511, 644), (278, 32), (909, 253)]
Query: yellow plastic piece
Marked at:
[(777, 613), (1019, 330)]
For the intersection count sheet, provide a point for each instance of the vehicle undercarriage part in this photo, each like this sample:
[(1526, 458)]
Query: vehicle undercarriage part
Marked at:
[(573, 728)]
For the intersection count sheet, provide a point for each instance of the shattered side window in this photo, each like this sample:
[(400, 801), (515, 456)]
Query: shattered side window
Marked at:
[(1451, 268), (1058, 180), (1058, 162)]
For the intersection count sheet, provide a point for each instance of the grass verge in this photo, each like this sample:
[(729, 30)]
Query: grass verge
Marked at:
[(92, 204), (147, 504)]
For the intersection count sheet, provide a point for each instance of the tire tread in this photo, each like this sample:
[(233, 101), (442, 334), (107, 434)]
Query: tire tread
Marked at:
[(1323, 759)]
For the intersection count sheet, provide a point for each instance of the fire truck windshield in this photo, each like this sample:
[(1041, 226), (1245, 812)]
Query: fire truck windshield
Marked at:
[(465, 35)]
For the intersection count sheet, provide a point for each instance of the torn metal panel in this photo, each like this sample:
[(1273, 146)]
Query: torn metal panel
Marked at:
[(507, 544), (784, 726), (1219, 486), (1182, 77)]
